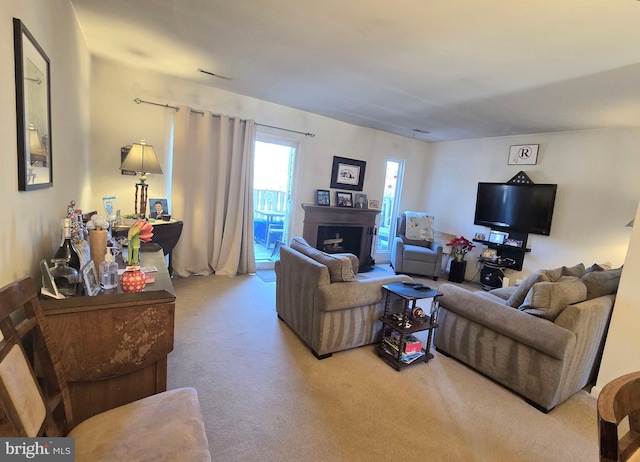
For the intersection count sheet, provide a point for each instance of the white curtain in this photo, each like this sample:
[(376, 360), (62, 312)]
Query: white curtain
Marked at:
[(213, 193)]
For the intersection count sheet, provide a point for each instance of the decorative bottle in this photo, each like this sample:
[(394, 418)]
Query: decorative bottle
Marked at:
[(66, 250), (109, 271)]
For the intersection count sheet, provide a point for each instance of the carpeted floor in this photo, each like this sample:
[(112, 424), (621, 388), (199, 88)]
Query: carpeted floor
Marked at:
[(265, 397)]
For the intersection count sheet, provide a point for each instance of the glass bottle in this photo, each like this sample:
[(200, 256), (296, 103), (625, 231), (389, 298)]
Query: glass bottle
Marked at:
[(109, 271), (65, 277), (66, 250)]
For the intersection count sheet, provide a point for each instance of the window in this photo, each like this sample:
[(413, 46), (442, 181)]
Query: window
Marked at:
[(390, 201)]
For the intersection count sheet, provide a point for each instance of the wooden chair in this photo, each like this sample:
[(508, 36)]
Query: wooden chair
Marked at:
[(619, 402), (34, 399)]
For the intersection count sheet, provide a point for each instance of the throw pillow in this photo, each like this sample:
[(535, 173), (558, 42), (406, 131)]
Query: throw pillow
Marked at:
[(339, 266), (548, 299), (577, 270), (601, 283), (517, 298), (419, 226)]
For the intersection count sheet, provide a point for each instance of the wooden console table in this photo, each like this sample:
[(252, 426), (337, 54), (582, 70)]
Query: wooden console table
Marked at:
[(114, 346)]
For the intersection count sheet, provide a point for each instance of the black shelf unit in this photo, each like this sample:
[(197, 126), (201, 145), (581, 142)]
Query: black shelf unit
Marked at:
[(407, 325), (508, 253)]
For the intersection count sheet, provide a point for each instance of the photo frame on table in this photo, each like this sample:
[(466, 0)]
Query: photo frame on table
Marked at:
[(323, 197), (497, 237), (344, 199), (110, 207), (525, 154), (513, 242), (164, 209), (361, 201), (49, 287), (33, 111), (347, 173), (374, 204), (90, 279)]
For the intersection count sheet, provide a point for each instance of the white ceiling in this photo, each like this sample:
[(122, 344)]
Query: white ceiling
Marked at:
[(458, 69)]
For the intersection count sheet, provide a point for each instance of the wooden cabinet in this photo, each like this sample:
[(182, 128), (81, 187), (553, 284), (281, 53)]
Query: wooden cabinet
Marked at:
[(114, 346)]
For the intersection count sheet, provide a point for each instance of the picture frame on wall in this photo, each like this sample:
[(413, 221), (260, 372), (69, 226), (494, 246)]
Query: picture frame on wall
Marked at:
[(33, 111), (323, 197), (344, 199), (347, 173), (525, 154)]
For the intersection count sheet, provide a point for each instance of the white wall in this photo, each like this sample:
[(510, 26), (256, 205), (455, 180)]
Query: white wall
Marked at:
[(118, 121), (623, 342), (598, 192), (31, 227)]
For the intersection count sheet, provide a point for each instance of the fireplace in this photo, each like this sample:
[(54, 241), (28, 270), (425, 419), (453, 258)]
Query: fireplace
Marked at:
[(341, 229)]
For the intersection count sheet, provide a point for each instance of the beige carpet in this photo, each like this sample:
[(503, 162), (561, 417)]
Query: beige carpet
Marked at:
[(265, 397)]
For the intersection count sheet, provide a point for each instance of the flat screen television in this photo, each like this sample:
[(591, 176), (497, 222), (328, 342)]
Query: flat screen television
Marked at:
[(525, 208)]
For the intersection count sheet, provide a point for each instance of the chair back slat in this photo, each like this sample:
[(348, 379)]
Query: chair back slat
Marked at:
[(619, 400), (22, 323)]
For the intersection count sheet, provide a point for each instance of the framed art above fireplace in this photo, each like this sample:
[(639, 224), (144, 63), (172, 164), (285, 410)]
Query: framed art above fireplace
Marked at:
[(347, 173)]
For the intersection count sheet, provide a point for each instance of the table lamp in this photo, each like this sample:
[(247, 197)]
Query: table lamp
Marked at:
[(141, 159)]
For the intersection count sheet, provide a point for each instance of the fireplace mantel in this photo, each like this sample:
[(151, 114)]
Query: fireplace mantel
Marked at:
[(318, 215)]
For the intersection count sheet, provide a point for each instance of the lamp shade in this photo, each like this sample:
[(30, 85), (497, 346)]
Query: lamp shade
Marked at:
[(142, 159)]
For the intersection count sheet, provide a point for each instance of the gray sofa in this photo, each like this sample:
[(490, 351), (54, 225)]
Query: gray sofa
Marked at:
[(319, 296), (542, 339)]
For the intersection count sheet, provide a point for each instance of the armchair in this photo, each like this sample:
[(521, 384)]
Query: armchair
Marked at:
[(415, 256)]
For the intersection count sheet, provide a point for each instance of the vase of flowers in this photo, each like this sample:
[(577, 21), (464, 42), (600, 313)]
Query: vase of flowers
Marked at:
[(133, 279), (459, 247)]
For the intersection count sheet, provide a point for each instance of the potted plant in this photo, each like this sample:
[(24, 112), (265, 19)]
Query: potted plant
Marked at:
[(459, 247)]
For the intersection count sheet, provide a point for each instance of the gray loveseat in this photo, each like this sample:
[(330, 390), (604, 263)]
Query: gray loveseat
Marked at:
[(324, 302), (542, 339)]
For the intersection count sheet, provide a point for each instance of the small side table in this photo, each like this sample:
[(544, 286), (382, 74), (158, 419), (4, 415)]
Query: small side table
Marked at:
[(457, 270), (397, 328)]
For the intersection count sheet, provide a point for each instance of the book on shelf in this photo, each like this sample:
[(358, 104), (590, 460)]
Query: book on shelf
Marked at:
[(405, 358), (412, 344)]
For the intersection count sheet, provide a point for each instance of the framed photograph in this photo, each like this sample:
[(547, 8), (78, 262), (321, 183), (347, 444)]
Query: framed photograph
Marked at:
[(323, 197), (124, 150), (480, 237), (361, 201), (347, 173), (49, 287), (159, 210), (344, 199), (525, 154), (489, 254), (110, 207), (90, 279), (374, 204), (513, 242), (498, 237), (33, 111)]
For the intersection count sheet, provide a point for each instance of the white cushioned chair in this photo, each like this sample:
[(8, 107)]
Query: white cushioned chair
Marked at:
[(415, 256)]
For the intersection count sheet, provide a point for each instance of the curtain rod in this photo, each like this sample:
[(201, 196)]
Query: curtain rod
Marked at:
[(139, 101)]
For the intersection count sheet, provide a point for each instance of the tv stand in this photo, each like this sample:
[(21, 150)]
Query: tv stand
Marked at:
[(509, 256)]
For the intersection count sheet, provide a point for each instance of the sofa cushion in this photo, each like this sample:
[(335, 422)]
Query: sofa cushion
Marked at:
[(576, 271), (339, 265), (548, 299), (517, 298), (503, 292), (601, 283)]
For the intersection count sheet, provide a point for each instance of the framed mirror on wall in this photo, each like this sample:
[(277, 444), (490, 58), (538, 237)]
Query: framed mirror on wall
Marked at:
[(33, 111)]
